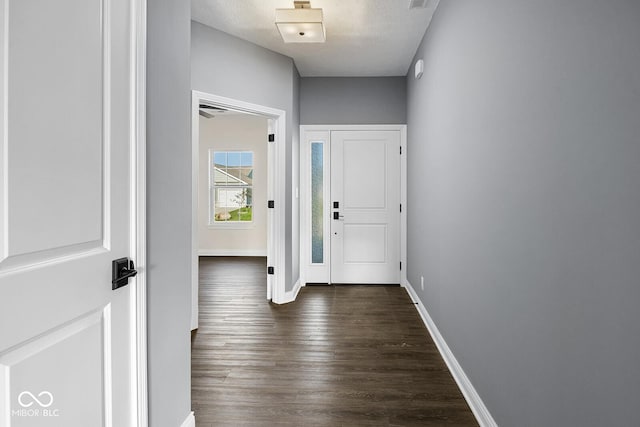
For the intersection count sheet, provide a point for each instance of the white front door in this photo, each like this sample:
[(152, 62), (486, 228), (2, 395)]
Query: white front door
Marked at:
[(67, 340), (365, 207)]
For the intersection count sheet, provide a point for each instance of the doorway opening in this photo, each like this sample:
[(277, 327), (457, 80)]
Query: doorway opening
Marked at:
[(236, 186)]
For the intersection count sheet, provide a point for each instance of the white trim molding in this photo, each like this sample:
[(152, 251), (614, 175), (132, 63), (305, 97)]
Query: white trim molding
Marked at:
[(403, 203), (233, 252), (190, 421), (470, 394), (293, 293), (139, 203)]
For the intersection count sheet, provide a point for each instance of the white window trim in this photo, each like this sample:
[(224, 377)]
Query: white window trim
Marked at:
[(226, 225)]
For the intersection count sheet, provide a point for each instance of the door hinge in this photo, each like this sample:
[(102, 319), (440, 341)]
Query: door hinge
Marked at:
[(400, 207), (271, 204), (400, 150), (270, 270), (272, 137), (400, 265)]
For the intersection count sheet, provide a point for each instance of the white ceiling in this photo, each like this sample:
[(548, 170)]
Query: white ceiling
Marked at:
[(364, 37)]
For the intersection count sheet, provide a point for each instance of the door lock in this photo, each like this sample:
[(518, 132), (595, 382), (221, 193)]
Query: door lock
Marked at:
[(121, 270)]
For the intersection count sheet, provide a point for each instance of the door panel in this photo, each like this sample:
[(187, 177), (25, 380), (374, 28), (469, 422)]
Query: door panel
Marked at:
[(365, 182), (65, 342), (365, 243), (43, 111), (76, 348), (363, 170)]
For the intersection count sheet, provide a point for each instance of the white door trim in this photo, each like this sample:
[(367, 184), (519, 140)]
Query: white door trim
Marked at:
[(138, 205), (275, 191), (305, 255)]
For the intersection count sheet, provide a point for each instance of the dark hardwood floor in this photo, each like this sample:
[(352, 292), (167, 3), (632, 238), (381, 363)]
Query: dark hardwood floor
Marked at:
[(338, 356)]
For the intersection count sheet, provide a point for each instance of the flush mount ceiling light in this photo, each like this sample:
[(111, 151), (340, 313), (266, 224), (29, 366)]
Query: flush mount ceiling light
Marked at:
[(301, 24)]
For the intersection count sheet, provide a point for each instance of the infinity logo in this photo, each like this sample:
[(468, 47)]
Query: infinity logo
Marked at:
[(35, 399)]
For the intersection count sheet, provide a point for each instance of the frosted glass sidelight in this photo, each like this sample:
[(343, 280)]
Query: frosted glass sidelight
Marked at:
[(317, 202)]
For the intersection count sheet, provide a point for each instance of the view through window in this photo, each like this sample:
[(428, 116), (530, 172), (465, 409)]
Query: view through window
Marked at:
[(231, 186)]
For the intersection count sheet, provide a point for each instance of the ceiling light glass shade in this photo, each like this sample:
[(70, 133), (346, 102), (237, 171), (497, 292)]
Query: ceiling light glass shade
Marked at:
[(300, 25)]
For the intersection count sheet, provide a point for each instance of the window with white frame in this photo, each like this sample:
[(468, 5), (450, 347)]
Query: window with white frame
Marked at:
[(230, 186)]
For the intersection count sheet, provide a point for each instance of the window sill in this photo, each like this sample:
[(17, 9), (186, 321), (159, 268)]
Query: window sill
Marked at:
[(232, 226)]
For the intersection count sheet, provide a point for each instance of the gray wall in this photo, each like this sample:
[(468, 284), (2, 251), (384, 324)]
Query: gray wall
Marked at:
[(524, 203), (227, 66), (168, 211), (353, 100), (232, 132)]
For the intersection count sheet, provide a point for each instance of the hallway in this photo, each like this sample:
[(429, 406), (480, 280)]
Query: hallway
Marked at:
[(339, 355)]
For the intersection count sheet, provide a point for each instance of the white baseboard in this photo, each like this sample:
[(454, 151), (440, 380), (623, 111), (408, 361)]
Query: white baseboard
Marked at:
[(293, 293), (190, 421), (232, 252), (470, 394)]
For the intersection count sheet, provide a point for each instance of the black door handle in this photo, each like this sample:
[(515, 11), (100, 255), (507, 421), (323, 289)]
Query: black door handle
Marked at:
[(121, 270), (125, 273)]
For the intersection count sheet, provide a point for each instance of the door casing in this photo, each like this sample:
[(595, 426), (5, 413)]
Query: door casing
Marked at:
[(139, 203), (309, 132)]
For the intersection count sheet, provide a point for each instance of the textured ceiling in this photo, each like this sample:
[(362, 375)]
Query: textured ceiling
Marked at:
[(364, 37)]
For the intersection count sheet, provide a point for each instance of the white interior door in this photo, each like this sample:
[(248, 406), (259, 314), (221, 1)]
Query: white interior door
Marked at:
[(365, 207), (66, 338)]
